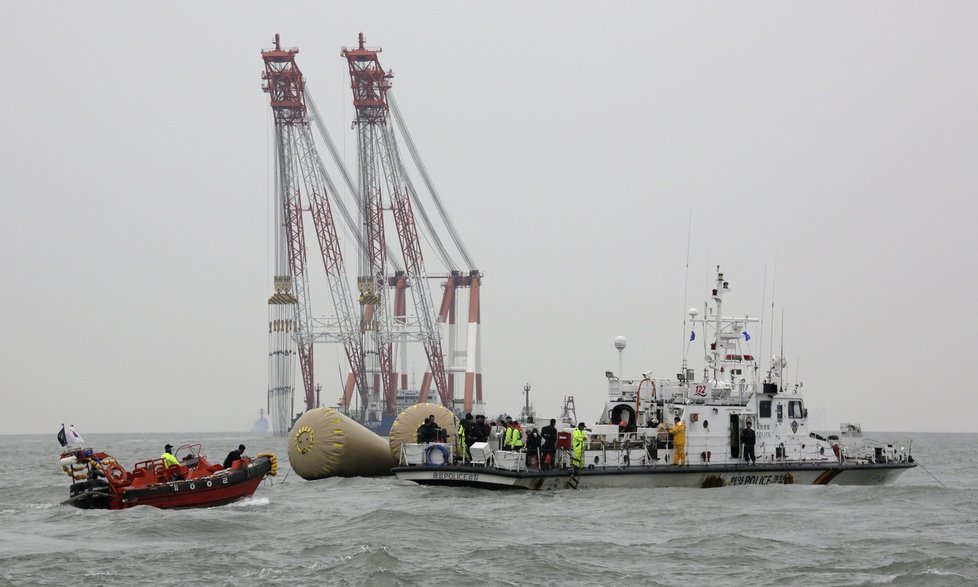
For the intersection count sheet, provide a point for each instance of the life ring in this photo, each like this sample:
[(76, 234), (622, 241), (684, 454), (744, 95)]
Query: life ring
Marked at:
[(445, 455), (117, 474)]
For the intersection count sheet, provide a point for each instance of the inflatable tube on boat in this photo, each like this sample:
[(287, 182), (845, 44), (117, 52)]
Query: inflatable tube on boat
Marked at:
[(273, 460), (326, 443), (405, 427)]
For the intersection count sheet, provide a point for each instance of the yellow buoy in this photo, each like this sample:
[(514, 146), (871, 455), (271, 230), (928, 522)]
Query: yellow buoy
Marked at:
[(326, 443), (405, 427)]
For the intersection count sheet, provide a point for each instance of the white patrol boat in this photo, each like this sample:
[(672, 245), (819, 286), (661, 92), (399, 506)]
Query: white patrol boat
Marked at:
[(633, 444)]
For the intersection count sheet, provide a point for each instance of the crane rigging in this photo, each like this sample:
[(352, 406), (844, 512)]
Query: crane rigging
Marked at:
[(381, 171), (299, 175), (375, 341)]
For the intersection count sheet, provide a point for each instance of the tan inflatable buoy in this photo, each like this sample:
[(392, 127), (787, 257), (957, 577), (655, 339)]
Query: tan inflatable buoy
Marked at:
[(405, 427), (327, 443)]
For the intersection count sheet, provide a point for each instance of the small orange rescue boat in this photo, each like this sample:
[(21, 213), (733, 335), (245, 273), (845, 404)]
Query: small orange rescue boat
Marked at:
[(101, 482)]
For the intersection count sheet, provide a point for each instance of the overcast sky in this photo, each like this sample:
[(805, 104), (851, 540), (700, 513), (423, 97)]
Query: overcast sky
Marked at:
[(825, 149)]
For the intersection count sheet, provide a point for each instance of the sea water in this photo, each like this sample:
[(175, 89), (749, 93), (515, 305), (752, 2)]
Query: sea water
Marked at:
[(381, 531)]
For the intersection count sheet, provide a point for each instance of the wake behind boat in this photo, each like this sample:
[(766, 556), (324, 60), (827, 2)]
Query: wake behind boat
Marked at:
[(729, 427), (101, 482)]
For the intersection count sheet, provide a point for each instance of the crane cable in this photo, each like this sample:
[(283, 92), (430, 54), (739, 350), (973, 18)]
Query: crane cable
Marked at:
[(344, 211), (427, 180)]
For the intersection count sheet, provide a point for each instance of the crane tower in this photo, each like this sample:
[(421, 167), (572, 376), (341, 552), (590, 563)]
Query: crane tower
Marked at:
[(381, 173), (302, 192), (375, 341)]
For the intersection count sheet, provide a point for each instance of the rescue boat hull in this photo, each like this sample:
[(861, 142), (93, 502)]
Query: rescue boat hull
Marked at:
[(220, 488), (657, 476)]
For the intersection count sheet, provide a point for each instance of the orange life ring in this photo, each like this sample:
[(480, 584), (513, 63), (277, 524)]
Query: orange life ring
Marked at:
[(117, 474)]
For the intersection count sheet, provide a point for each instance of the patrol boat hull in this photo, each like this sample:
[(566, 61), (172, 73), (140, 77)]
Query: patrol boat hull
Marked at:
[(657, 476), (650, 428)]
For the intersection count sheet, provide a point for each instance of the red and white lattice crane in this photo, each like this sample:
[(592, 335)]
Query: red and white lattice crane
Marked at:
[(376, 341), (302, 192), (381, 174)]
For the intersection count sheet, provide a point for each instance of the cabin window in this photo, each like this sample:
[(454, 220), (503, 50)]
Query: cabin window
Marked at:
[(764, 409), (780, 411), (794, 410)]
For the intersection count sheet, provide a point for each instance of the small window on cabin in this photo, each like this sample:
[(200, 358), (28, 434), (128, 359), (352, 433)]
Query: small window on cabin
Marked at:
[(780, 411), (794, 410), (764, 409)]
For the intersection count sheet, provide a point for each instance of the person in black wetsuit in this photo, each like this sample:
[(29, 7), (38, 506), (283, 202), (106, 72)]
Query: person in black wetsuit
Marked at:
[(480, 432), (533, 443), (748, 438), (422, 434), (549, 454), (234, 455)]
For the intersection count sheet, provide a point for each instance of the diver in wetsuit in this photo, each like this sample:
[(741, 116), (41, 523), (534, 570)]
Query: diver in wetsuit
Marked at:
[(234, 455)]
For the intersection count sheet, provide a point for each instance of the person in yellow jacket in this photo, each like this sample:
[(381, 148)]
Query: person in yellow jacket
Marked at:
[(514, 436), (679, 441), (168, 459), (578, 441), (460, 446)]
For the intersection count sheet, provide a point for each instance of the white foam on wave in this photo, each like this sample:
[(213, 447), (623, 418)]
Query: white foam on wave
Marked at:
[(250, 501)]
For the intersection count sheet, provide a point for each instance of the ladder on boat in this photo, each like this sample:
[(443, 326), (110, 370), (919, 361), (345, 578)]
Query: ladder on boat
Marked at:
[(574, 478)]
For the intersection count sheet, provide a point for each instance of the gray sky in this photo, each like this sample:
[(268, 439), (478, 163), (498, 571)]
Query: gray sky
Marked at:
[(832, 144)]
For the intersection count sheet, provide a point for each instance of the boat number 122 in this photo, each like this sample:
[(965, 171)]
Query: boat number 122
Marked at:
[(700, 390)]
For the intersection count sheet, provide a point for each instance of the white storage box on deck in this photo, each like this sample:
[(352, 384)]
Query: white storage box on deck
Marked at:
[(480, 452), (413, 454), (508, 459)]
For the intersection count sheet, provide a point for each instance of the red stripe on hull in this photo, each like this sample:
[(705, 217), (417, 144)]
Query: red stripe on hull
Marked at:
[(827, 477)]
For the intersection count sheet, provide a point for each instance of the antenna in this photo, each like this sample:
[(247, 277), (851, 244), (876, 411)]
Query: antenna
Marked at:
[(781, 362), (759, 364), (689, 232), (774, 283)]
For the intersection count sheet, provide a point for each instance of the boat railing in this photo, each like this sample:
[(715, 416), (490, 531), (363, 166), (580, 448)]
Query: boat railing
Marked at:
[(873, 451), (156, 469)]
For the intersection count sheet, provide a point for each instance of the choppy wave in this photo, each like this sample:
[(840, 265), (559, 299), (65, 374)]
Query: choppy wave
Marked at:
[(386, 532)]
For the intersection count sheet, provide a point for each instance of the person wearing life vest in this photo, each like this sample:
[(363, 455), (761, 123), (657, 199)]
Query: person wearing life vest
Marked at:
[(171, 461), (514, 436), (578, 441), (460, 446), (679, 441), (168, 459)]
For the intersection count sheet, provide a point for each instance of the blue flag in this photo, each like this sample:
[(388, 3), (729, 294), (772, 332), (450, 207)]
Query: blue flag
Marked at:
[(746, 335), (61, 436), (692, 335)]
